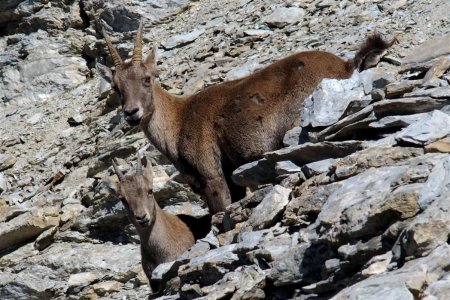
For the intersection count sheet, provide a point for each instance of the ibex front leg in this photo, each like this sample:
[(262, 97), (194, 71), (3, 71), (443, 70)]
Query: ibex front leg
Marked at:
[(217, 193)]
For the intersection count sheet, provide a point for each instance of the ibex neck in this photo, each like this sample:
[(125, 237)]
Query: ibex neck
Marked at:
[(162, 125), (154, 244)]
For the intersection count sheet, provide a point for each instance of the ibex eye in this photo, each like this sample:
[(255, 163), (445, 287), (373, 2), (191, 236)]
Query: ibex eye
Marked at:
[(147, 80)]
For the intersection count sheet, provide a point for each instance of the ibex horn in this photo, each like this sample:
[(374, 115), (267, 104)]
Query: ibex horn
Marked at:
[(114, 54), (137, 51), (118, 172), (139, 164)]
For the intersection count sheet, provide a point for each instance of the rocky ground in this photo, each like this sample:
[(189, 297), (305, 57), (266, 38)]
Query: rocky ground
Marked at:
[(354, 207)]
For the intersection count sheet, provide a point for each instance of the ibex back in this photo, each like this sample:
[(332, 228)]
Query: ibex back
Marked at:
[(209, 134)]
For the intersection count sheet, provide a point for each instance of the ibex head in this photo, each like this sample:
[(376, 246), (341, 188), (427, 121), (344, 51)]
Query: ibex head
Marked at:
[(132, 80), (136, 194)]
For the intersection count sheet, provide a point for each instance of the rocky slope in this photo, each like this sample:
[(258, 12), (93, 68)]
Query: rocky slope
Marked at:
[(356, 205)]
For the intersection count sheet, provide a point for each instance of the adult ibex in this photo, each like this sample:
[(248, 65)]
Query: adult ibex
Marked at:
[(163, 236), (209, 134)]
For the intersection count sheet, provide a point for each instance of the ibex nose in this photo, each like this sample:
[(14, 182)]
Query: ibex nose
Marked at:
[(132, 116), (142, 220), (130, 111)]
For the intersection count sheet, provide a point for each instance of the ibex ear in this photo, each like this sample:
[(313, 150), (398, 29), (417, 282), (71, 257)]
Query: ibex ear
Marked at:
[(148, 173), (150, 61)]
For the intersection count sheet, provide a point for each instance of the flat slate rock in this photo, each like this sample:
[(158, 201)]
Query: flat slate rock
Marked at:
[(270, 209), (311, 152), (426, 130), (183, 39), (284, 16), (439, 46)]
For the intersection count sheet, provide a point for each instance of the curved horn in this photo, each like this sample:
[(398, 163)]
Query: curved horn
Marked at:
[(112, 50), (137, 51), (139, 164), (117, 171)]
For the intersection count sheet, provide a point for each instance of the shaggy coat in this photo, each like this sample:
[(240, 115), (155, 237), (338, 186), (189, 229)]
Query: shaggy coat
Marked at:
[(209, 134)]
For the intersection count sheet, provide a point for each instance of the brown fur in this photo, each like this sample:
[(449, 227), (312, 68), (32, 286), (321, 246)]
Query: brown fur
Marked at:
[(208, 134), (163, 236)]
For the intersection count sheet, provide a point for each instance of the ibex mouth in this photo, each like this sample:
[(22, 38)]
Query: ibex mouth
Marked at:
[(133, 121), (143, 221)]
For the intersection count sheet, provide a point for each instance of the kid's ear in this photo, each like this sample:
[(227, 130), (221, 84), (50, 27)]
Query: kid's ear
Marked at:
[(150, 61), (148, 172)]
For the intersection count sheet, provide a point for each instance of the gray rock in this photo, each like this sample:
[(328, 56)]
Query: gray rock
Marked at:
[(437, 92), (373, 157), (107, 287), (346, 121), (438, 289), (243, 70), (308, 199), (198, 249), (6, 161), (284, 16), (429, 50), (397, 121), (356, 130), (403, 283), (292, 137), (78, 281), (209, 268), (377, 94), (246, 282), (407, 106), (263, 170), (163, 273), (258, 32), (286, 167), (3, 183), (330, 99), (34, 119), (357, 208), (249, 240), (347, 251), (187, 209), (47, 70), (254, 173), (375, 79), (317, 167), (27, 226), (45, 238), (183, 39), (76, 119), (29, 284), (436, 183), (431, 228), (377, 264), (332, 265), (427, 130), (285, 270), (311, 152), (270, 208)]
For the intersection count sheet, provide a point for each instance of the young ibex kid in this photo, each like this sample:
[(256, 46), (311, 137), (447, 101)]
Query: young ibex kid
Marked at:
[(163, 236)]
